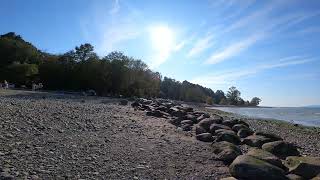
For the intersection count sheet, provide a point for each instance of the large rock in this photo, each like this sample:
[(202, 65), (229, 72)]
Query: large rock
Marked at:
[(228, 178), (271, 136), (237, 127), (229, 137), (244, 132), (307, 167), (250, 168), (175, 111), (191, 117), (186, 127), (186, 122), (281, 149), (230, 123), (221, 131), (202, 117), (199, 130), (316, 178), (256, 141), (154, 113), (225, 151), (266, 156), (214, 127), (175, 121), (294, 177), (206, 123), (205, 137)]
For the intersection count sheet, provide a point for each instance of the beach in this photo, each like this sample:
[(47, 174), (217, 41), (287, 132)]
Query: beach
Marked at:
[(54, 136)]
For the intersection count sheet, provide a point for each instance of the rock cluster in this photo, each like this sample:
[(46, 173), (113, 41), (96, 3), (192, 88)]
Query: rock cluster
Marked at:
[(269, 156)]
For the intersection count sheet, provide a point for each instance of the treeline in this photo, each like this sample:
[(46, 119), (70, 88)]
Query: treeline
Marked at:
[(82, 69)]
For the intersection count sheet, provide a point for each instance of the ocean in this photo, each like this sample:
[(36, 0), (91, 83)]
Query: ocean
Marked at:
[(299, 115)]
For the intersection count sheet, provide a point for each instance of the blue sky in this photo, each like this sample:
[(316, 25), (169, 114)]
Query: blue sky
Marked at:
[(265, 48)]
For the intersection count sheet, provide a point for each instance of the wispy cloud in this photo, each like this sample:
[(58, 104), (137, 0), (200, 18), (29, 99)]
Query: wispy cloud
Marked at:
[(231, 76), (110, 27), (233, 49), (116, 7), (201, 45), (262, 25)]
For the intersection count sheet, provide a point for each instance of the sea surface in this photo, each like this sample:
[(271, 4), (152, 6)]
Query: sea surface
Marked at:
[(299, 115)]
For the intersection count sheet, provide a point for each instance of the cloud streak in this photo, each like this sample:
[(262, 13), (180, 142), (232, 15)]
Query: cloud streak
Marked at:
[(201, 45), (230, 77), (233, 49)]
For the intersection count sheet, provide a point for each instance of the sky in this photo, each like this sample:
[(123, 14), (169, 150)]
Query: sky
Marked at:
[(266, 48)]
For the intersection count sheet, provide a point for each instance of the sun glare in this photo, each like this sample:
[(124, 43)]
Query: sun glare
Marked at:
[(162, 38)]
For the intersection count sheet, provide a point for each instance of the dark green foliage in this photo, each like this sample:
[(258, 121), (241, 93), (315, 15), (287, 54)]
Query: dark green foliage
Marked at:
[(21, 74), (255, 101), (115, 74), (233, 96), (14, 49)]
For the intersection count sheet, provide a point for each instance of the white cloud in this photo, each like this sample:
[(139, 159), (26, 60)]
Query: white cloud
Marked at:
[(231, 76), (233, 49), (262, 25), (201, 45), (115, 7)]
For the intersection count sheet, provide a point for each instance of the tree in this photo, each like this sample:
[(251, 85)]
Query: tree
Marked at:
[(85, 52), (14, 49), (233, 95), (20, 74), (255, 101), (218, 96)]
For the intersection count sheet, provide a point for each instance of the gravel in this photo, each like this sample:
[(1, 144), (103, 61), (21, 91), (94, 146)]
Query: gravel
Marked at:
[(50, 136)]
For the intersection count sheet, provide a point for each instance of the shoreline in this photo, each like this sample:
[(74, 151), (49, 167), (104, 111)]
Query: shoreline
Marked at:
[(96, 137), (306, 137), (270, 119)]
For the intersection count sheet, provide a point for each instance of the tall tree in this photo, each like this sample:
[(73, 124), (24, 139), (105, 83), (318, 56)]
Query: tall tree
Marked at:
[(233, 95), (255, 101)]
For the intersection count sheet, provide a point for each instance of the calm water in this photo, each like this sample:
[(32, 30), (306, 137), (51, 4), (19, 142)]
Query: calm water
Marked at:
[(305, 116)]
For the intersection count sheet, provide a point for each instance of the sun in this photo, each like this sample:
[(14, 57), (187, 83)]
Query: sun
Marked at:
[(162, 38)]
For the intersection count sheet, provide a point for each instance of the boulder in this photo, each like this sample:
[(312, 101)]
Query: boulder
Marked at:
[(229, 137), (251, 168), (205, 137), (218, 118), (294, 177), (191, 117), (307, 167), (154, 113), (186, 122), (237, 127), (206, 123), (202, 117), (281, 149), (175, 121), (316, 178), (135, 104), (221, 131), (226, 151), (228, 178), (266, 156), (214, 127), (186, 127), (174, 111), (271, 136), (162, 108), (230, 123), (256, 141), (199, 130), (244, 132)]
